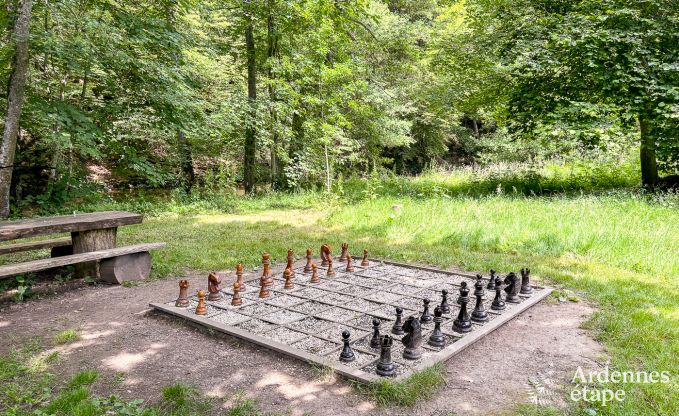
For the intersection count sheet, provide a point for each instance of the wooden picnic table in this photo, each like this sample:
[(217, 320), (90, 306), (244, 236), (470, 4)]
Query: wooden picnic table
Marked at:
[(93, 233)]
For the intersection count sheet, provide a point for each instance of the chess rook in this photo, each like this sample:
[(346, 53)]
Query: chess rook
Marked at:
[(183, 298), (526, 288), (385, 365), (344, 253)]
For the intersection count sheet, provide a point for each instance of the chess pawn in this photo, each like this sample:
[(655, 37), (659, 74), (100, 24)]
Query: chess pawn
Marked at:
[(397, 329), (479, 313), (239, 276), (498, 304), (309, 261), (287, 274), (347, 354), (365, 262), (201, 309), (213, 282), (330, 272), (350, 264), (385, 366), (413, 339), (314, 274), (426, 317), (183, 299), (437, 339), (526, 288), (291, 260), (463, 323), (478, 286), (512, 290), (375, 340), (445, 308), (345, 253), (464, 293), (491, 280), (236, 300)]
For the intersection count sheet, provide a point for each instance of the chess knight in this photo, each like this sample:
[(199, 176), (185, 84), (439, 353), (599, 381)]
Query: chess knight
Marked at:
[(213, 282), (413, 339)]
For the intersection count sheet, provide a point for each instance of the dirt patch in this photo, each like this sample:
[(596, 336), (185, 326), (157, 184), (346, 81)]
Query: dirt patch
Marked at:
[(138, 351)]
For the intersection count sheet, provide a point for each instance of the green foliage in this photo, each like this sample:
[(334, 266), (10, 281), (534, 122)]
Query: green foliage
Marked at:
[(418, 386), (66, 336)]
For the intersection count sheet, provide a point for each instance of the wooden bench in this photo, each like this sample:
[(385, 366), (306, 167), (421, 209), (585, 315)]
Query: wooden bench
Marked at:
[(114, 265), (59, 246)]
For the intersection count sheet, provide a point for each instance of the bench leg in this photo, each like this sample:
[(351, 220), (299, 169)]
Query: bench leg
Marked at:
[(92, 240), (136, 266), (61, 251)]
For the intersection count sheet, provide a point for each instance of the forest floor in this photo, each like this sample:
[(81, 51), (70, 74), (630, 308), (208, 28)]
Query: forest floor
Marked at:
[(614, 252)]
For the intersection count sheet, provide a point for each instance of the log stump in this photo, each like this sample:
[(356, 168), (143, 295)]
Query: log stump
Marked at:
[(136, 266), (92, 240)]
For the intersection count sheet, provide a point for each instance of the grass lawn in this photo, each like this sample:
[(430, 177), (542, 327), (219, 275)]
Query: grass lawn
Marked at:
[(620, 251)]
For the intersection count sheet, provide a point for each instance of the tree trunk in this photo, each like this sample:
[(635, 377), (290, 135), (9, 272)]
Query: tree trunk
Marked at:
[(186, 161), (250, 132), (272, 55), (649, 167), (15, 100)]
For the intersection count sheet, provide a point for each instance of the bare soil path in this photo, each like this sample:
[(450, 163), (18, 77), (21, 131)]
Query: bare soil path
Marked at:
[(137, 352)]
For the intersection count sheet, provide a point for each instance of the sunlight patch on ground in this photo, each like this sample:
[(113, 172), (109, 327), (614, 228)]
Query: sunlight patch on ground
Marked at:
[(126, 361)]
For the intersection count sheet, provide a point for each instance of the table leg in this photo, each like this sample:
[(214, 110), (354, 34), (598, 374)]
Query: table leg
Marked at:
[(92, 240)]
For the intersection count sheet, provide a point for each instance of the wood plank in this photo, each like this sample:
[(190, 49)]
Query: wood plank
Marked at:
[(11, 230), (44, 264), (35, 245)]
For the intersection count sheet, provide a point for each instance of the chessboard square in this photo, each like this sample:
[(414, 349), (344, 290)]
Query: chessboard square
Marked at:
[(310, 325), (336, 298), (310, 293), (315, 345), (334, 332), (254, 296), (362, 305), (408, 272), (356, 290), (256, 326), (230, 318), (337, 314), (404, 289), (389, 312), (361, 359), (449, 340), (311, 307), (372, 272), (382, 296), (410, 303), (429, 294), (285, 335), (259, 309), (282, 316), (211, 310), (285, 300), (365, 321), (334, 285)]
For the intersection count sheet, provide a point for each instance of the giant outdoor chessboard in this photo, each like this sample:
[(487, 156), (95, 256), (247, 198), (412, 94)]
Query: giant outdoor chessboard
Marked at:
[(341, 320)]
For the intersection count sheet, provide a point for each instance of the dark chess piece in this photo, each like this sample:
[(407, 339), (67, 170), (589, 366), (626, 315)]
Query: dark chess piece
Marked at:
[(413, 340), (397, 329), (375, 340), (201, 309), (445, 308), (325, 254), (350, 264), (347, 354), (213, 282), (478, 286), (309, 260), (479, 313), (463, 323), (437, 339), (385, 366), (330, 272), (464, 293), (491, 280), (287, 274), (291, 261), (236, 300), (345, 253), (526, 288), (498, 304), (365, 262), (426, 317), (183, 299), (239, 275), (512, 289), (314, 274)]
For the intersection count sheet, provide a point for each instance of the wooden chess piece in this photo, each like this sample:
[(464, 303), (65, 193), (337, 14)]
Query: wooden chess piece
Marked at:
[(491, 280), (314, 274), (265, 280), (291, 260), (413, 339), (437, 339), (445, 308), (350, 264), (385, 365), (426, 317), (201, 309), (309, 261), (239, 276), (512, 289), (345, 252), (498, 304), (479, 313), (397, 329), (347, 354), (526, 288), (213, 282), (287, 274), (183, 299), (365, 262), (375, 340), (236, 300), (330, 272), (325, 254)]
